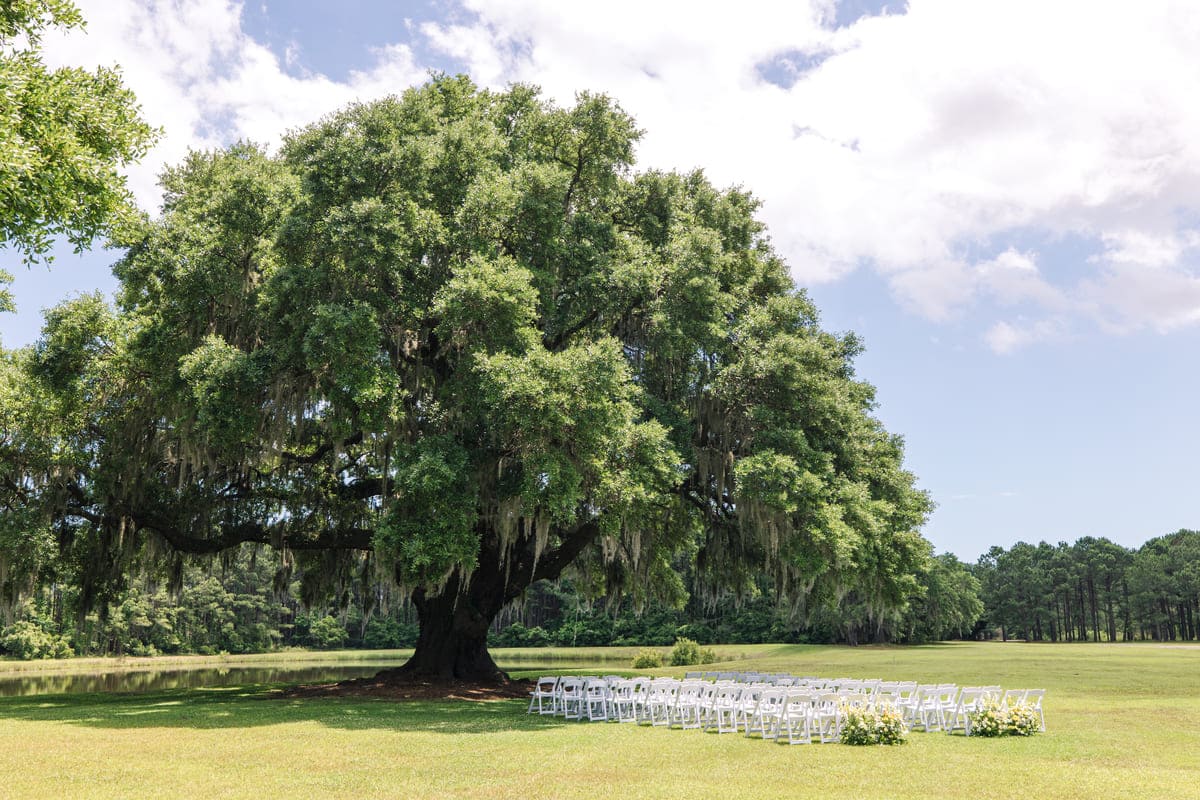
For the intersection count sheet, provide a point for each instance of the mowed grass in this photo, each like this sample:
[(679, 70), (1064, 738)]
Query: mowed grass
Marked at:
[(1124, 721)]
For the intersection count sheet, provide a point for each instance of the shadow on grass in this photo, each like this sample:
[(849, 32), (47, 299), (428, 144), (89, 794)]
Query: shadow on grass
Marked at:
[(257, 706)]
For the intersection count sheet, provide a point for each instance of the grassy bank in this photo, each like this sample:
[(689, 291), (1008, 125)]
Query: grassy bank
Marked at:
[(1124, 721)]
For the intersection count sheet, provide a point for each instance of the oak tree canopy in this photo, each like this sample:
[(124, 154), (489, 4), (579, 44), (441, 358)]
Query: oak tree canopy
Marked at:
[(456, 336)]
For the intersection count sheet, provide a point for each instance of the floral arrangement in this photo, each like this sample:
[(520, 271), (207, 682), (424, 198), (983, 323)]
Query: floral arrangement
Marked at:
[(1023, 720), (987, 719), (879, 725), (993, 719)]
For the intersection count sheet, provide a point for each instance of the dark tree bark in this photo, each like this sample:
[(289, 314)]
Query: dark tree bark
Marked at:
[(1091, 585), (1110, 612), (454, 620), (1128, 606), (1081, 611), (452, 644)]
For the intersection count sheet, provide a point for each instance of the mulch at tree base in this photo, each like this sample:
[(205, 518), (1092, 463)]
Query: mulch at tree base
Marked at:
[(389, 685)]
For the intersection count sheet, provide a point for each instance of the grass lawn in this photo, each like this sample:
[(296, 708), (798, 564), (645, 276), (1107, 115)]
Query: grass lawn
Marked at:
[(1123, 720)]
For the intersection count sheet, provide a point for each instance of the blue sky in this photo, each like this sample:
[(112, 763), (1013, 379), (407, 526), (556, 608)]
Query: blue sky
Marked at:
[(1011, 229)]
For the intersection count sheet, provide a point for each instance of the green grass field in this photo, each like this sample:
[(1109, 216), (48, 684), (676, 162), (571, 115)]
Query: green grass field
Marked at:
[(1123, 721)]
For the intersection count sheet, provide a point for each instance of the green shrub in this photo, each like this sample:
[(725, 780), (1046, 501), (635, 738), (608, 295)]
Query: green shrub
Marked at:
[(685, 653), (517, 635), (327, 633), (647, 658), (28, 640), (386, 633), (707, 655)]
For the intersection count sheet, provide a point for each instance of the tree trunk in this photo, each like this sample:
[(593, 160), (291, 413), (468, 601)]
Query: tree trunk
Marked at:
[(1128, 606), (454, 623), (1081, 610), (452, 643), (1091, 585), (454, 619), (1112, 617)]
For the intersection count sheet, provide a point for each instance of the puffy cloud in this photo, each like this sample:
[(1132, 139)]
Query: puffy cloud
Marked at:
[(1008, 337), (907, 141), (1013, 278), (924, 144)]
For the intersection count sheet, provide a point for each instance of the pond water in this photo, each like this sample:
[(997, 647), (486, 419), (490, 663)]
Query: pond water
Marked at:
[(149, 679), (153, 680)]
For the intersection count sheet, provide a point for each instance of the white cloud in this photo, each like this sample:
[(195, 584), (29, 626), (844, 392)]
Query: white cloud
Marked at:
[(932, 145), (1013, 279), (1129, 298), (921, 135), (1006, 337)]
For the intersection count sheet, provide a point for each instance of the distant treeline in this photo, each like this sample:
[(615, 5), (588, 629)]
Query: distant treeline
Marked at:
[(1092, 590)]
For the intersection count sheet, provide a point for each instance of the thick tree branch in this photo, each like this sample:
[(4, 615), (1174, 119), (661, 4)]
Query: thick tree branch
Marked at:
[(552, 563), (321, 451), (344, 538)]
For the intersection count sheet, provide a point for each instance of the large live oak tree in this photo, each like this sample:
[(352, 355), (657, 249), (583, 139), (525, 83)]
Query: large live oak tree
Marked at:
[(456, 331)]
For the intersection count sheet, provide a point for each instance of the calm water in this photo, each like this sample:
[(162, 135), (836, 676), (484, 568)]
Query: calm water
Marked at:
[(152, 680), (176, 677)]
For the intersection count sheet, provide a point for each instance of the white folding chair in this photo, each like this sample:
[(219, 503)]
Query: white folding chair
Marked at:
[(725, 707), (570, 698), (945, 701), (1033, 699), (797, 717), (922, 711), (596, 698), (621, 701), (686, 710), (766, 716), (828, 714), (747, 703), (969, 701), (704, 704), (544, 696), (1012, 697), (661, 700)]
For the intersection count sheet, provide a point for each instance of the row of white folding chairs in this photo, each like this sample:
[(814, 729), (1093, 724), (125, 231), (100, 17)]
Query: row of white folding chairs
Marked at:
[(726, 704), (866, 685), (587, 697), (658, 701), (795, 714), (777, 678), (667, 701)]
